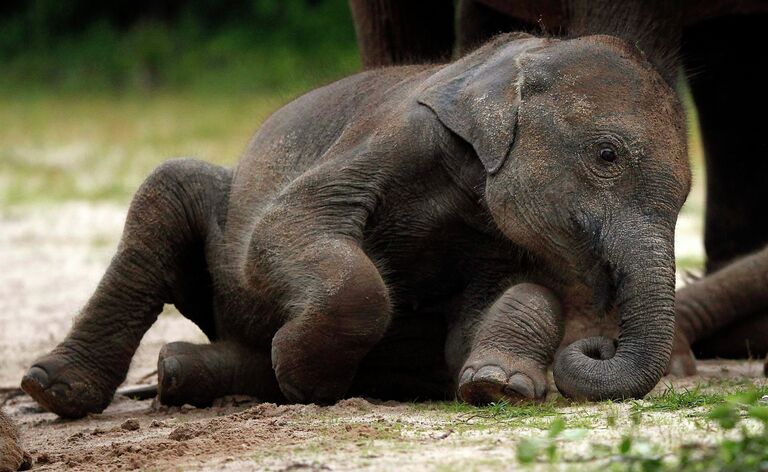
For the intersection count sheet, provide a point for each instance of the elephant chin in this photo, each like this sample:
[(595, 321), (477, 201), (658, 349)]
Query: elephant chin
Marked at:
[(599, 368)]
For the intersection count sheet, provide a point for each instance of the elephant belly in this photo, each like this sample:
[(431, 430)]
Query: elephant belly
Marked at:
[(409, 362)]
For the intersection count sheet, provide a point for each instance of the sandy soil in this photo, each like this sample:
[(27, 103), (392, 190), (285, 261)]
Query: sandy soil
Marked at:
[(50, 261)]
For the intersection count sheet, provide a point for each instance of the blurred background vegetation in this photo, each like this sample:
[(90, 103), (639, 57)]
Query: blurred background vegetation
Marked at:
[(145, 46), (94, 95)]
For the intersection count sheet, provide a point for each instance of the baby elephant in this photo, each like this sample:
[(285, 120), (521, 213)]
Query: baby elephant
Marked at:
[(407, 232)]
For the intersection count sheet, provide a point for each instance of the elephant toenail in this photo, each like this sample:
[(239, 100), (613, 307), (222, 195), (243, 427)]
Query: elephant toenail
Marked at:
[(171, 371), (491, 373), (466, 376), (39, 376), (522, 385), (292, 393)]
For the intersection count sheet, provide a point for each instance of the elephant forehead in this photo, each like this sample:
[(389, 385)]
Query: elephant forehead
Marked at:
[(589, 64)]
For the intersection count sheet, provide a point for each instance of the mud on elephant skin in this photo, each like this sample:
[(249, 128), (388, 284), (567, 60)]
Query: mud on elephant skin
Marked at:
[(12, 456), (481, 214)]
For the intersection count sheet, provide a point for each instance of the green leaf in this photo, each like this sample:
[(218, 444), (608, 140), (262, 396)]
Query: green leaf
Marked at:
[(552, 452), (573, 434), (528, 450), (725, 415), (556, 427), (625, 445), (750, 397), (759, 413)]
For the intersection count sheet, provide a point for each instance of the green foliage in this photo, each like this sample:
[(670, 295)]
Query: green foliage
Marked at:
[(533, 449), (748, 451), (258, 46), (743, 416)]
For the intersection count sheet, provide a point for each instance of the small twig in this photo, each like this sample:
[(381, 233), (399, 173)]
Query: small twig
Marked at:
[(8, 393), (142, 392), (148, 376)]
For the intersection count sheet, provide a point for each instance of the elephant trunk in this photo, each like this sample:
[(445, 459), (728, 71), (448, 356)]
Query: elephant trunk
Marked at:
[(599, 369)]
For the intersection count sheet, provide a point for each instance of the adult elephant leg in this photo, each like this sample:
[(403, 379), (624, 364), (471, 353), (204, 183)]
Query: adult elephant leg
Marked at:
[(712, 305), (391, 32), (477, 23), (172, 222), (200, 373), (514, 344), (723, 56)]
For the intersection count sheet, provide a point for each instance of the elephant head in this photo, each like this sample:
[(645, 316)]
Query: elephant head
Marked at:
[(584, 150)]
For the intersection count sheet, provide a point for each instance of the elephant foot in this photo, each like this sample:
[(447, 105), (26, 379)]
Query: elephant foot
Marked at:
[(488, 380), (186, 374), (197, 374), (66, 383), (682, 363), (313, 367)]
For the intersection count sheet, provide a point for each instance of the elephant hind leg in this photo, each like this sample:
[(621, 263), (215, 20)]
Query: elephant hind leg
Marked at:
[(174, 217), (723, 314), (730, 108), (747, 337), (199, 373)]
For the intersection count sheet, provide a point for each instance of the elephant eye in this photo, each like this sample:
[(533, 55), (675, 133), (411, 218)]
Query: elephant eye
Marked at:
[(607, 153), (604, 156)]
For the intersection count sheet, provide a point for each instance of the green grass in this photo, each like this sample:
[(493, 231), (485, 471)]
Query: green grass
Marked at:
[(497, 413), (673, 399), (101, 148), (742, 414), (676, 399)]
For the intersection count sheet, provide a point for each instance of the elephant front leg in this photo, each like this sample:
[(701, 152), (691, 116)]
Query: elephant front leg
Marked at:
[(337, 308), (316, 354), (512, 347)]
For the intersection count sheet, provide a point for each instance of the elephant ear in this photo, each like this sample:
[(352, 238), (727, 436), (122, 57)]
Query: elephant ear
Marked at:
[(478, 99)]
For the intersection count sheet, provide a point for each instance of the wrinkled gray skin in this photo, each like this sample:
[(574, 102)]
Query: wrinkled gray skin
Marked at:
[(407, 232), (727, 316)]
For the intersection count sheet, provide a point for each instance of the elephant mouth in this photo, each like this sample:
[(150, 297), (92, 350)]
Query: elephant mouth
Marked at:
[(595, 289)]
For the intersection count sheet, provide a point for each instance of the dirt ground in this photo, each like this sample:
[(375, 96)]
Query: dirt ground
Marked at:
[(50, 261)]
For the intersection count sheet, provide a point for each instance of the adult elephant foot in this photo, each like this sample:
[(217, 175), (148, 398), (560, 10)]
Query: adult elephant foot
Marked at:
[(682, 362), (197, 374), (68, 383), (512, 347)]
